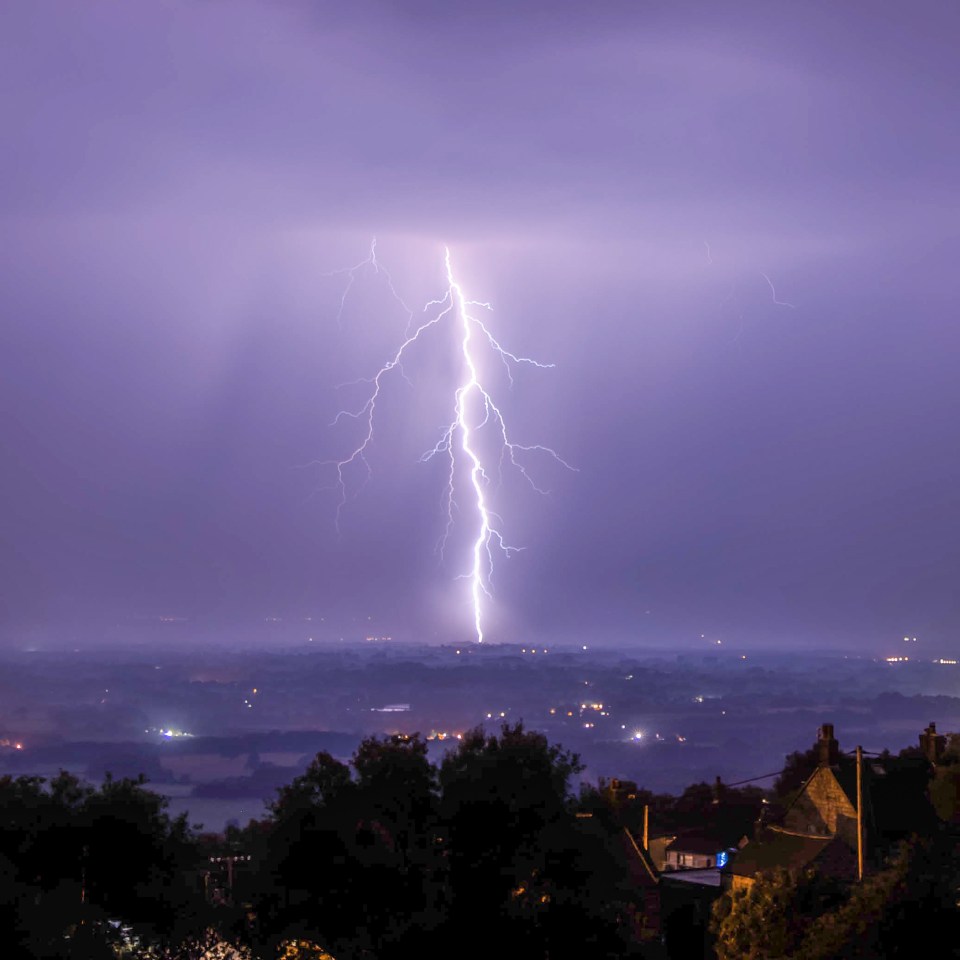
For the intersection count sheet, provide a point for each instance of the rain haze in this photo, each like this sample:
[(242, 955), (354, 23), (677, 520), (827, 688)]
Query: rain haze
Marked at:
[(730, 230)]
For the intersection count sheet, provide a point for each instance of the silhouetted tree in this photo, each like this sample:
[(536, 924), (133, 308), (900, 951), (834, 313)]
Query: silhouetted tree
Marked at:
[(768, 920), (397, 803), (76, 857), (307, 882), (911, 901), (524, 874), (797, 769), (353, 862), (139, 864)]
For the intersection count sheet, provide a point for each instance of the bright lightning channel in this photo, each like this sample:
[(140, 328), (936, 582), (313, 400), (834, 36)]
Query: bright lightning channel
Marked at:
[(461, 433)]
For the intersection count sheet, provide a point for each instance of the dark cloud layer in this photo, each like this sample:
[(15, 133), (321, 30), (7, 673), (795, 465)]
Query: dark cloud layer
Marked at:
[(634, 186)]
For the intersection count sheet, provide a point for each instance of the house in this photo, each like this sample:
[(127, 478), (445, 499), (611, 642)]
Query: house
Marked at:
[(646, 879), (657, 848), (677, 880), (775, 847), (698, 851), (847, 808)]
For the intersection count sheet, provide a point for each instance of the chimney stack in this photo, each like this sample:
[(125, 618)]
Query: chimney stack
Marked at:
[(932, 744), (827, 746)]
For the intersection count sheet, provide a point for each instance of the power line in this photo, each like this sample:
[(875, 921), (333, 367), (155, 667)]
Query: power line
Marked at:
[(765, 776)]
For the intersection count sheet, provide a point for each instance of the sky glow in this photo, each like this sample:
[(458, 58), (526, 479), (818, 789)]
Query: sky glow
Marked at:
[(734, 231)]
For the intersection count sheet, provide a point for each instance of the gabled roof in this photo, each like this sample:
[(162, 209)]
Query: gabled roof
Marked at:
[(775, 847), (696, 843), (895, 801), (642, 867), (845, 774)]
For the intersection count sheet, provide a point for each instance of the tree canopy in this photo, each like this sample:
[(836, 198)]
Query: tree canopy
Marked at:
[(807, 916), (87, 861), (390, 855)]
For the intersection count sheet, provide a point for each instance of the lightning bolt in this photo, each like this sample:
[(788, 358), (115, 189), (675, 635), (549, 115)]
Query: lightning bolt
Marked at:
[(474, 410), (733, 291), (773, 293), (370, 260)]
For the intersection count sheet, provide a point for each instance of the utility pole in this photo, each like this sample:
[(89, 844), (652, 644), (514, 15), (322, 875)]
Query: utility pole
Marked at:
[(646, 827), (859, 813)]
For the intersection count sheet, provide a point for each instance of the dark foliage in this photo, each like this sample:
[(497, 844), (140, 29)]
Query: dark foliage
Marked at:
[(391, 857), (73, 858)]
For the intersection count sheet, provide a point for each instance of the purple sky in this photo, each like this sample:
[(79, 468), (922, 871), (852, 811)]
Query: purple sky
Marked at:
[(618, 179)]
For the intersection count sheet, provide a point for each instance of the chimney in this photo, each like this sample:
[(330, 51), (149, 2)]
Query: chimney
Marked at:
[(827, 746), (932, 744), (718, 790)]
